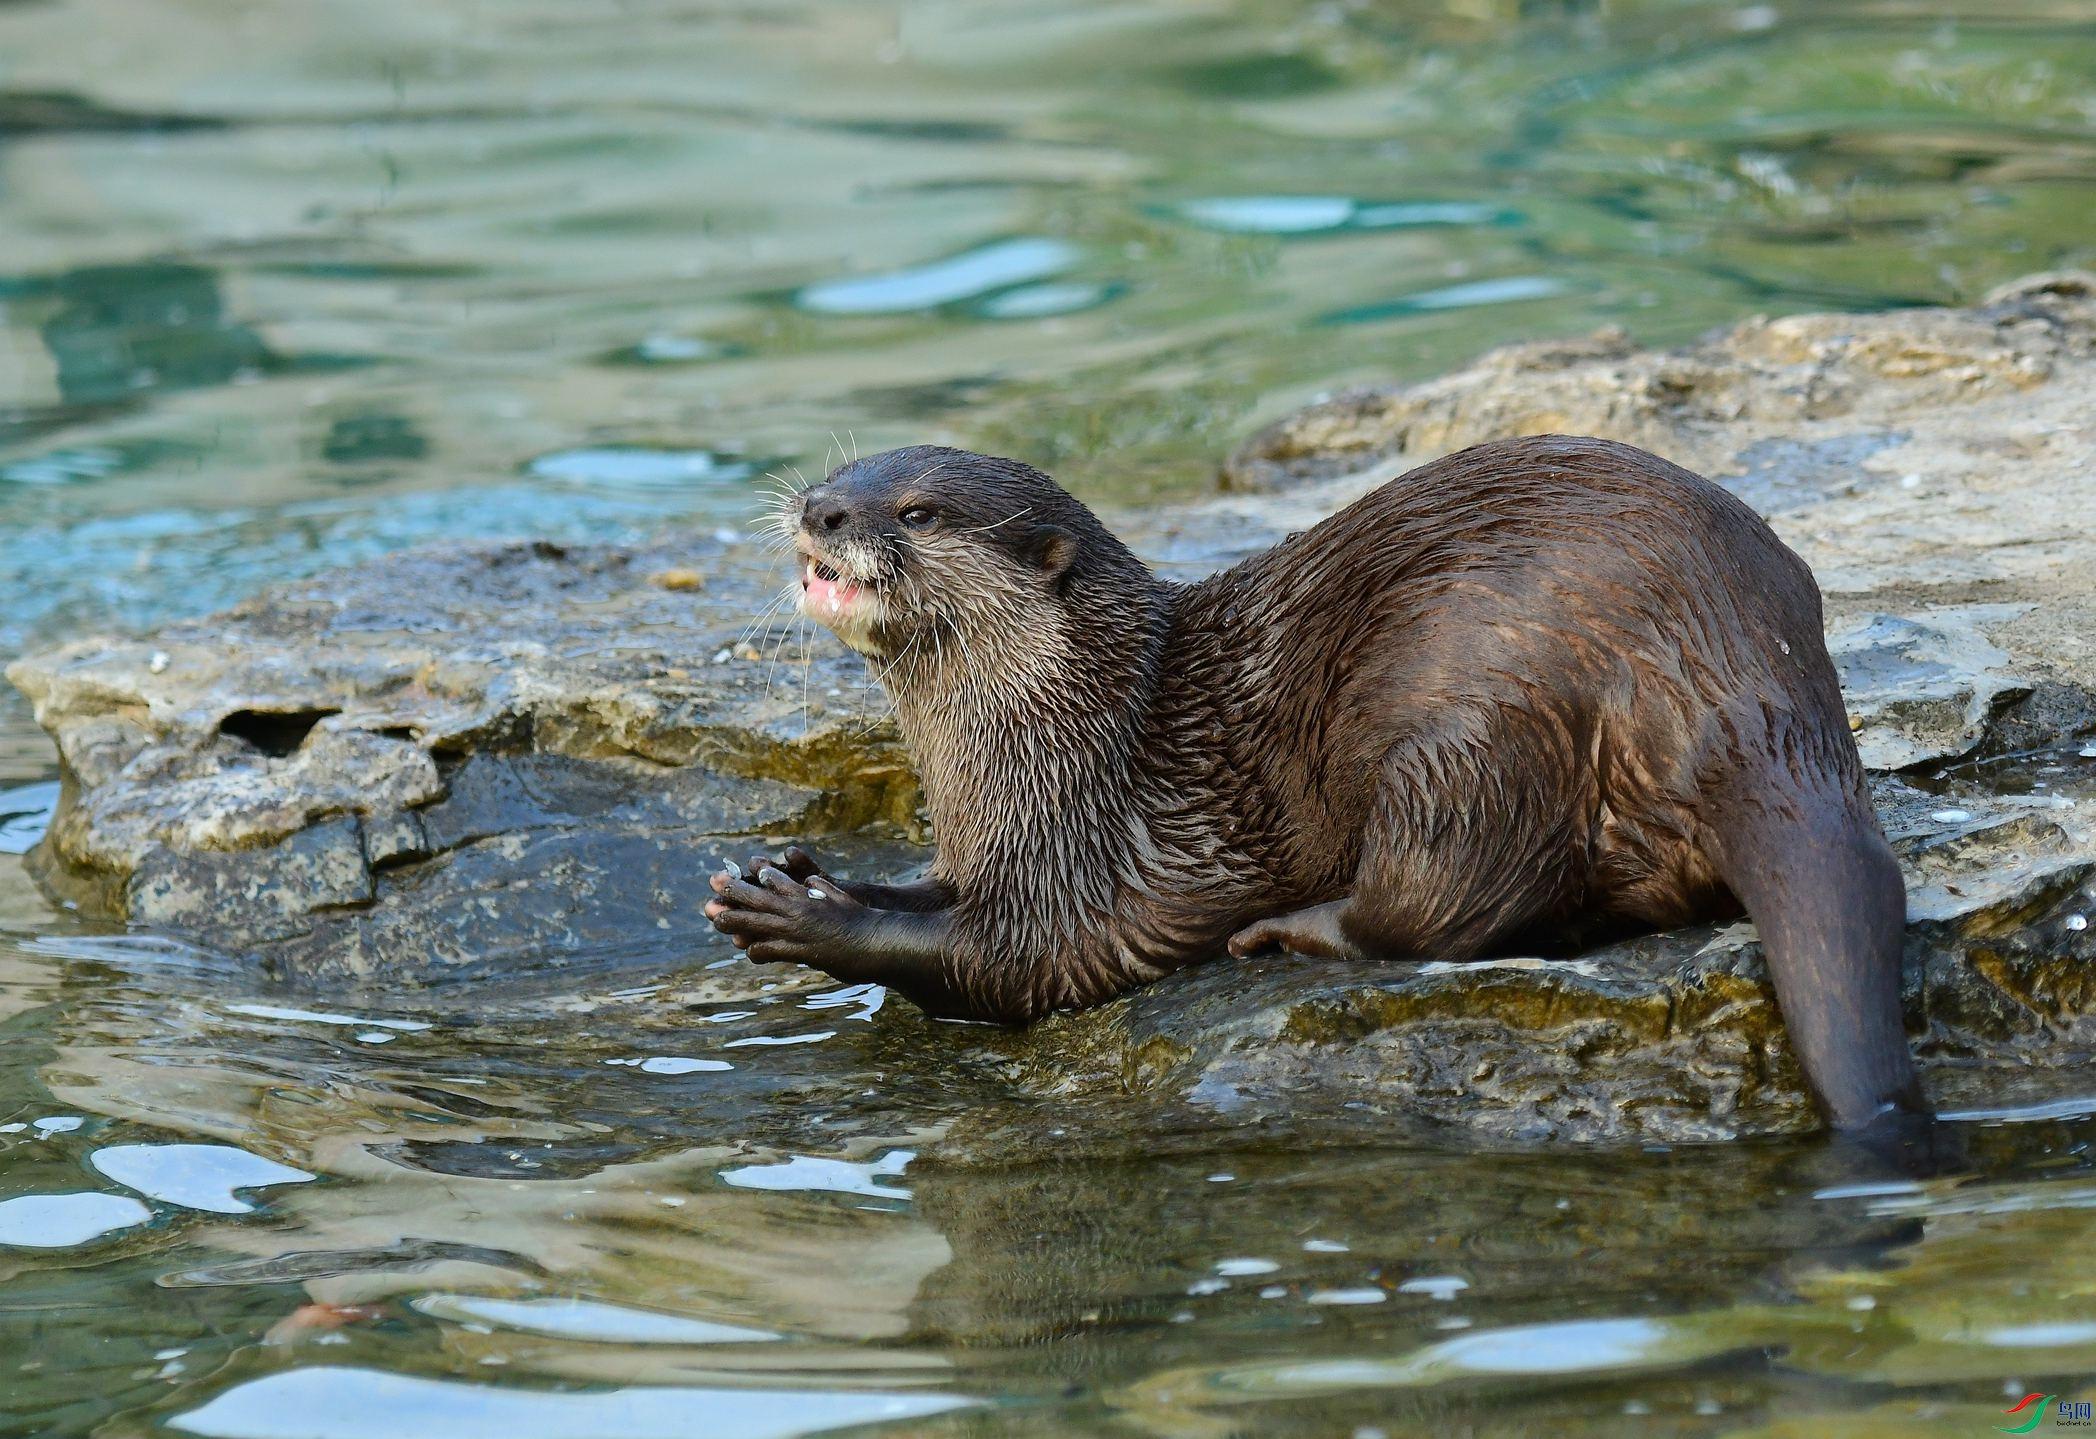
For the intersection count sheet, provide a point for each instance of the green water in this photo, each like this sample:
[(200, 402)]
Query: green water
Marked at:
[(283, 285)]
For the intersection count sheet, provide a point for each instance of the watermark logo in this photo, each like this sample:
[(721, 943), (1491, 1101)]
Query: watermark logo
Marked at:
[(2073, 1413), (2035, 1403)]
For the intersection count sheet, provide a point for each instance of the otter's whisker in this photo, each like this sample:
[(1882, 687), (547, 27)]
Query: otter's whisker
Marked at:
[(784, 597), (807, 669), (771, 661), (985, 529)]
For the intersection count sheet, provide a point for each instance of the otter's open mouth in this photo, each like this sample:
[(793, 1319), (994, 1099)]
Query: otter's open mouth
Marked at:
[(825, 591)]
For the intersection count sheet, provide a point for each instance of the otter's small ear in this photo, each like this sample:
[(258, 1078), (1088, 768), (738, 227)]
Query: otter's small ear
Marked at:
[(1054, 550)]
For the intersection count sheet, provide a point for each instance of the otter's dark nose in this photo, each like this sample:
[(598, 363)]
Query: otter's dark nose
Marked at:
[(824, 512)]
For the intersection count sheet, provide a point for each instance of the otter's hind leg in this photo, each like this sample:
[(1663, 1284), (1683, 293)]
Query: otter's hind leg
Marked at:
[(1317, 931), (1443, 878)]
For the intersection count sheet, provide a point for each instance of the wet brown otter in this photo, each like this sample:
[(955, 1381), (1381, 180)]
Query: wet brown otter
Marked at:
[(1533, 694)]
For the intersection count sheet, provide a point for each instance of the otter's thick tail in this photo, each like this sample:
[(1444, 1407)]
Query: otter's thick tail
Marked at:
[(1804, 854)]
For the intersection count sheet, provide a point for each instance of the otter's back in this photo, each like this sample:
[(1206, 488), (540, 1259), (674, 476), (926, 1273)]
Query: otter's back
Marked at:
[(1613, 596)]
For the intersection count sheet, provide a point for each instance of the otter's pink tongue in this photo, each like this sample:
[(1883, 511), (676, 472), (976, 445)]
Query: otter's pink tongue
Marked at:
[(828, 597)]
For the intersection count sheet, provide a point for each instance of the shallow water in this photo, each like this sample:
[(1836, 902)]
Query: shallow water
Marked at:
[(282, 286)]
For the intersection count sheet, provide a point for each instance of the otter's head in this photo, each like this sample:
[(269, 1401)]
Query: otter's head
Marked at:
[(919, 551)]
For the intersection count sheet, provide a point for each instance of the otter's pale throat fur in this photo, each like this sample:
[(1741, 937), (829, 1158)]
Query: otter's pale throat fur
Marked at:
[(1533, 695)]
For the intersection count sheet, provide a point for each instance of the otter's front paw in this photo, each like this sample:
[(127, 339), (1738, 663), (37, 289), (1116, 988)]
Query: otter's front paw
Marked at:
[(777, 918)]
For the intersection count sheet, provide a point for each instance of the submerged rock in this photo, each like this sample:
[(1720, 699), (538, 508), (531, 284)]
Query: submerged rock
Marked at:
[(505, 760)]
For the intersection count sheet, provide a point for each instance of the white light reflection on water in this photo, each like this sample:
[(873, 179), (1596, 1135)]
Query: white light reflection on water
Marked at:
[(344, 1403), (834, 1176), (322, 1016), (941, 282), (588, 1319), (195, 1176), (672, 1064), (60, 1221), (25, 813)]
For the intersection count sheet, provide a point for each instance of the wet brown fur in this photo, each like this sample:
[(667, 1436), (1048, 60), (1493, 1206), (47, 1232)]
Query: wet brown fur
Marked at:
[(1527, 696)]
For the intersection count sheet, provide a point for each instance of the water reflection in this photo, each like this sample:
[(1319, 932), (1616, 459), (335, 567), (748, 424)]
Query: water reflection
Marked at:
[(374, 257), (1324, 214), (25, 813), (587, 1319), (1503, 291), (193, 1176), (642, 468), (61, 1221), (361, 1404), (959, 277), (503, 1212), (116, 330)]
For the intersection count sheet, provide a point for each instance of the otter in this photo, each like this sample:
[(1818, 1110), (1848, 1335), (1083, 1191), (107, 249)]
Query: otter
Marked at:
[(1530, 696)]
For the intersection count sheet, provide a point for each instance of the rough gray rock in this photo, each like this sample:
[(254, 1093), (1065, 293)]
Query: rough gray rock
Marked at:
[(505, 760), (1922, 689), (452, 762)]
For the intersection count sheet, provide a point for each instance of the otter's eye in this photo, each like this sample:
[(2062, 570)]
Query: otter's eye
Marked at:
[(919, 517)]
